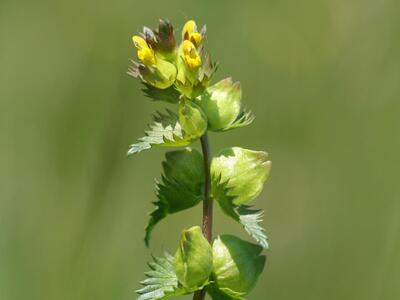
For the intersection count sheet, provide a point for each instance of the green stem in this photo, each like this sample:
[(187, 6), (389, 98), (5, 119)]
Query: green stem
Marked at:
[(207, 202)]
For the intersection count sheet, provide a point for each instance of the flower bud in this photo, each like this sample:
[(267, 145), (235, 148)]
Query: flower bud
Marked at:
[(165, 37), (221, 103), (237, 264), (192, 120), (193, 260)]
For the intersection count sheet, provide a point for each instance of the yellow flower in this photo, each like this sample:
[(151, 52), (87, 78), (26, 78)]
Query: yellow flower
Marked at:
[(190, 33), (145, 53), (190, 55)]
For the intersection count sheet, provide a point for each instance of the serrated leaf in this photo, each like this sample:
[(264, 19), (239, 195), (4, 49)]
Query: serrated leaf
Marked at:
[(250, 219), (181, 186), (245, 118), (161, 281), (164, 131), (170, 95)]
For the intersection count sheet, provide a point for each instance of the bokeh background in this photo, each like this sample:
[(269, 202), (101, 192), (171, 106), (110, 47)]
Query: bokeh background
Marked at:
[(323, 78)]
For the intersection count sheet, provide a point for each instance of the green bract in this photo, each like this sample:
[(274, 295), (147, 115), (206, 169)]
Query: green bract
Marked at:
[(237, 264), (245, 172), (193, 260), (180, 73)]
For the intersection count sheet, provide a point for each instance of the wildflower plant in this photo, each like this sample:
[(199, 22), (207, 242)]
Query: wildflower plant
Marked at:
[(225, 267)]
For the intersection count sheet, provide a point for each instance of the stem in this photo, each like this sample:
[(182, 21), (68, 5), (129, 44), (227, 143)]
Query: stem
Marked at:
[(207, 202)]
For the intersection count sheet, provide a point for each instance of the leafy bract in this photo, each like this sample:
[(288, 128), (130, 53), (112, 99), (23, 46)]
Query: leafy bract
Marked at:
[(164, 131), (170, 94), (181, 186), (161, 281), (172, 130), (221, 103), (250, 219), (238, 176)]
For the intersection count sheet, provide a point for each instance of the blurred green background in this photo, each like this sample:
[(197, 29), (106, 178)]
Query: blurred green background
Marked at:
[(323, 78)]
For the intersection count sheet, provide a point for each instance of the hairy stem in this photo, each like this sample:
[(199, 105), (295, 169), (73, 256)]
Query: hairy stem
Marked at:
[(207, 202)]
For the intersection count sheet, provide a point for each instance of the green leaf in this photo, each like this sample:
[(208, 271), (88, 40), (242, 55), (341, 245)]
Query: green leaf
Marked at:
[(243, 119), (237, 264), (221, 103), (250, 219), (161, 281), (223, 293), (170, 94), (245, 172), (164, 131), (181, 187)]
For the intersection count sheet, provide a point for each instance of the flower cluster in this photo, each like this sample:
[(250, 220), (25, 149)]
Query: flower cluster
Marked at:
[(180, 73), (164, 64)]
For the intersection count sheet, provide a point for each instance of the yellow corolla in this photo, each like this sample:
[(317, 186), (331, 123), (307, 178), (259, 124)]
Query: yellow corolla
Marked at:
[(145, 53), (190, 33), (190, 55)]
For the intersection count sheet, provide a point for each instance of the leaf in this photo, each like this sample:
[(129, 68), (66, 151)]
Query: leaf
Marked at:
[(161, 281), (243, 214), (181, 185), (164, 131), (251, 219), (170, 94), (245, 118), (223, 294)]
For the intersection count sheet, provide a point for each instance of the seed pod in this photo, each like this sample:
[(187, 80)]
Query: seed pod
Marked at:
[(245, 172), (193, 259), (236, 263), (221, 103), (192, 119)]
